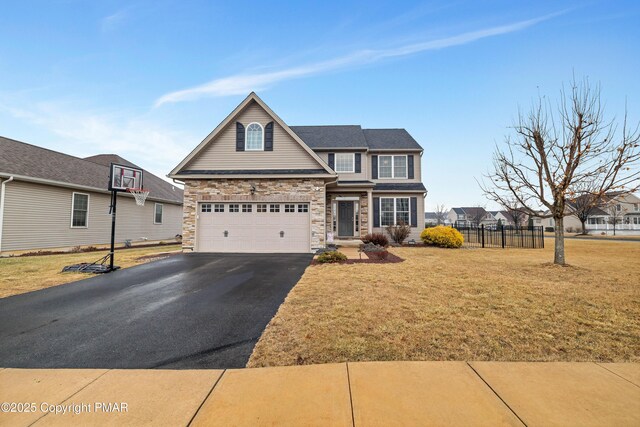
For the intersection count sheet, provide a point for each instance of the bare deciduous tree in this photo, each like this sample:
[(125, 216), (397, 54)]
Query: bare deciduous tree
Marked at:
[(441, 214), (616, 213), (584, 202), (554, 151), (476, 214), (517, 212)]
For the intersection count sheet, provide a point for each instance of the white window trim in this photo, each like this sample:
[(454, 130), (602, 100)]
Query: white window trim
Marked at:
[(246, 137), (393, 166), (73, 197), (395, 210), (353, 162), (155, 206)]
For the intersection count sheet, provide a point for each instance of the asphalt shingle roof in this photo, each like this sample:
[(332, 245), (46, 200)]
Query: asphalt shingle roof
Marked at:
[(401, 186), (20, 158), (353, 136)]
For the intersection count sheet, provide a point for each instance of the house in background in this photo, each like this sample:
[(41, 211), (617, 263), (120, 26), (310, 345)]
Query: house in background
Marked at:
[(256, 184), (505, 218), (471, 216), (623, 209), (430, 218), (53, 200)]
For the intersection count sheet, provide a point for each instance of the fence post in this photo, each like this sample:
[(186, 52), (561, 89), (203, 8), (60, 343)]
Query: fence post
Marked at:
[(542, 236), (533, 237), (502, 232), (482, 228)]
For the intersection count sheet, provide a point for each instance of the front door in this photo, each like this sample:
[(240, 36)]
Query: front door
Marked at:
[(345, 218)]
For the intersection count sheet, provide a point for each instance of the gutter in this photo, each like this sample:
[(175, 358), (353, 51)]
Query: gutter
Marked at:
[(75, 186), (2, 194)]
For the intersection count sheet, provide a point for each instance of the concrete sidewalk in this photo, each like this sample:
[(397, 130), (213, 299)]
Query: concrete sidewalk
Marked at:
[(345, 394)]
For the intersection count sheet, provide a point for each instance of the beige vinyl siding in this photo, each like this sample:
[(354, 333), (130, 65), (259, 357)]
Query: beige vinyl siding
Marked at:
[(221, 154), (417, 168), (415, 231), (365, 165), (39, 216)]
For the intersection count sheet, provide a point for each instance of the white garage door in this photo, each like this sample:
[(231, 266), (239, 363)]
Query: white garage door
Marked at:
[(253, 227)]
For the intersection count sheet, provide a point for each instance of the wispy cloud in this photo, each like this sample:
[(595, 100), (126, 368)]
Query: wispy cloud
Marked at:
[(113, 21), (83, 133), (244, 83)]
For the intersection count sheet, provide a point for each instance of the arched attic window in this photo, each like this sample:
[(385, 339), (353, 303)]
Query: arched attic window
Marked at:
[(255, 137)]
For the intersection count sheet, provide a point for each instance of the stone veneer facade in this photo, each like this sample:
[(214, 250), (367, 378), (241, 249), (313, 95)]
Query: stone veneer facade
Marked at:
[(364, 210), (307, 190)]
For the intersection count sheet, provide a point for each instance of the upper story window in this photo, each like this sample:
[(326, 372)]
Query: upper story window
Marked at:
[(255, 137), (345, 162), (392, 167)]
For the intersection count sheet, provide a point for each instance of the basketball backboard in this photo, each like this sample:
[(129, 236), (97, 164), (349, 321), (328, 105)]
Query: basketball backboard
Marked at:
[(124, 177)]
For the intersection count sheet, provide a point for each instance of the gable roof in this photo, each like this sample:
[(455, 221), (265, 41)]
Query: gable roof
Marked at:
[(47, 166), (353, 136), (252, 97)]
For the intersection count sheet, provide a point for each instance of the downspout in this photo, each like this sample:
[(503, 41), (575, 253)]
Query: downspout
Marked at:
[(2, 194)]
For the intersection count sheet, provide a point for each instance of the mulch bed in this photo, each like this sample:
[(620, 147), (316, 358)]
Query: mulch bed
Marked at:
[(391, 259)]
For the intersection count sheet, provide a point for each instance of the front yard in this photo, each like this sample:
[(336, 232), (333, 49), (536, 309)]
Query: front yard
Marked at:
[(30, 273), (467, 304)]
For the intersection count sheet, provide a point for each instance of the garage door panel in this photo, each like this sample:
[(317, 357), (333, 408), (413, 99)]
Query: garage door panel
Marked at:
[(253, 231)]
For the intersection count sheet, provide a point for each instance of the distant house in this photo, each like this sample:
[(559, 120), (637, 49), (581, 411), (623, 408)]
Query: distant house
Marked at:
[(470, 216), (53, 200), (601, 218), (505, 218), (430, 218)]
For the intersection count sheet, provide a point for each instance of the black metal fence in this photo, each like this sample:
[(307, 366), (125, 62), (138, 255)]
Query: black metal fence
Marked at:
[(502, 236)]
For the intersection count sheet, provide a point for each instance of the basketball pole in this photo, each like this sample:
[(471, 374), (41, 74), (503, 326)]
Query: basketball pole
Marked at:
[(114, 198)]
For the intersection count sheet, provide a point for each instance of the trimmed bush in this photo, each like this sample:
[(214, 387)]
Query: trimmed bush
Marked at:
[(443, 237), (374, 251), (331, 257), (377, 239)]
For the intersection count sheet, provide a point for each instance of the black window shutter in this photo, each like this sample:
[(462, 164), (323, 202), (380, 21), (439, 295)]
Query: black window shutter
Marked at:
[(374, 167), (268, 137), (239, 137), (376, 211), (332, 160), (358, 158), (410, 173), (414, 211)]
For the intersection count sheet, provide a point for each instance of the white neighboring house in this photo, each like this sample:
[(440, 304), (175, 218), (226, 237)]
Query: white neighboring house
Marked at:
[(430, 218), (53, 200), (601, 220)]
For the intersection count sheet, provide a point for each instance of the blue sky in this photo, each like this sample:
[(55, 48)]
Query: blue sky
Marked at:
[(149, 80)]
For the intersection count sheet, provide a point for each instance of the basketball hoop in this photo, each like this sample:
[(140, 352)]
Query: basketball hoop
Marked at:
[(140, 195)]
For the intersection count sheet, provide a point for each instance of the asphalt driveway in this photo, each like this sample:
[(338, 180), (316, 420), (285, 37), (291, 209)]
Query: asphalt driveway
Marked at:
[(186, 311)]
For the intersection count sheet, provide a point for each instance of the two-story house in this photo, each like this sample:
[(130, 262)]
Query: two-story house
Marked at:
[(255, 184)]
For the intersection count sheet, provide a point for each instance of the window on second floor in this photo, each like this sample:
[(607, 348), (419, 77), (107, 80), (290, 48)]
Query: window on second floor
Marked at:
[(345, 162), (255, 137), (392, 167)]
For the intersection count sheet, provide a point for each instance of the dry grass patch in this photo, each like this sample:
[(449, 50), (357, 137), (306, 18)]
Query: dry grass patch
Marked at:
[(25, 274), (481, 304)]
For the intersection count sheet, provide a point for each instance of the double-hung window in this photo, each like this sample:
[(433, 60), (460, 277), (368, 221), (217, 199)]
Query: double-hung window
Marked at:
[(80, 210), (394, 210), (345, 162), (157, 213), (392, 167)]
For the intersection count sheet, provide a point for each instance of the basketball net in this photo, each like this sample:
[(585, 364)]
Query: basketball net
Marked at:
[(140, 195)]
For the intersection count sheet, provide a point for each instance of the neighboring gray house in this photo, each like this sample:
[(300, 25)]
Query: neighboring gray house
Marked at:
[(466, 217), (53, 200), (256, 184)]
